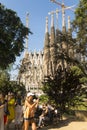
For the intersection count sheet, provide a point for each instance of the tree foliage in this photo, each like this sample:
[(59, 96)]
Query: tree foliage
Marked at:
[(80, 26), (65, 89), (12, 35), (7, 86)]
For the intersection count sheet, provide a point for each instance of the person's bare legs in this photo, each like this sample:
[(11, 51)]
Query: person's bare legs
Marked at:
[(26, 124), (34, 127)]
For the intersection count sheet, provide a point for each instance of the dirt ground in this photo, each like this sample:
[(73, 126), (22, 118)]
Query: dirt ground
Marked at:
[(68, 125), (72, 126)]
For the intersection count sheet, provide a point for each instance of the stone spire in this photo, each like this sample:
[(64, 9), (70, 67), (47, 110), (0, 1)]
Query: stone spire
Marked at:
[(46, 33), (63, 19), (52, 35), (46, 50), (57, 29), (27, 25), (46, 29), (57, 11), (53, 47), (69, 25)]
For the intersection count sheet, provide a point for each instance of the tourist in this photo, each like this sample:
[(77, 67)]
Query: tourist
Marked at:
[(11, 108), (1, 112), (29, 112), (6, 112), (43, 115), (18, 114)]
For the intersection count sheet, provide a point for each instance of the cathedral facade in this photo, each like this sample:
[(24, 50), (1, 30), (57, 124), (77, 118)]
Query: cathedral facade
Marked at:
[(36, 65), (31, 71)]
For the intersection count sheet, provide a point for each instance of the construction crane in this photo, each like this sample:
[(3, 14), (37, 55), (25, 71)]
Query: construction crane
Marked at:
[(63, 10), (62, 5)]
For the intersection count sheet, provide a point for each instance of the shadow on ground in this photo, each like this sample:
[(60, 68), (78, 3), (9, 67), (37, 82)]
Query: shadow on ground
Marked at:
[(55, 126), (60, 124)]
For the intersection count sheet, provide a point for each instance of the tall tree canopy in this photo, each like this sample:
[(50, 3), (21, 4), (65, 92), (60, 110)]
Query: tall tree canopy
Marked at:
[(65, 88), (80, 26), (12, 35)]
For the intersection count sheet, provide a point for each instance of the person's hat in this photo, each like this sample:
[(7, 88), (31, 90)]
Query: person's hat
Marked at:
[(30, 94)]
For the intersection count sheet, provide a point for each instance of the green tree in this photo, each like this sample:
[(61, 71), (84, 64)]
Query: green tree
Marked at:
[(17, 88), (12, 35), (4, 81), (12, 87), (80, 26), (66, 89), (7, 86)]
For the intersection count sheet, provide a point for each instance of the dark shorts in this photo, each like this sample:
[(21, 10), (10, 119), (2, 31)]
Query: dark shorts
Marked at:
[(29, 118)]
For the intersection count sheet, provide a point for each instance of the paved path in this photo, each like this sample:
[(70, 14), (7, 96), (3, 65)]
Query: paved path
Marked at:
[(63, 125), (74, 126)]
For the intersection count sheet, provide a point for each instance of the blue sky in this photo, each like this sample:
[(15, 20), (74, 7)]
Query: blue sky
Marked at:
[(38, 10)]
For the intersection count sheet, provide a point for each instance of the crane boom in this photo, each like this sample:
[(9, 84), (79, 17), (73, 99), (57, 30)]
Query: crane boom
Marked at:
[(54, 1), (63, 10), (62, 5)]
